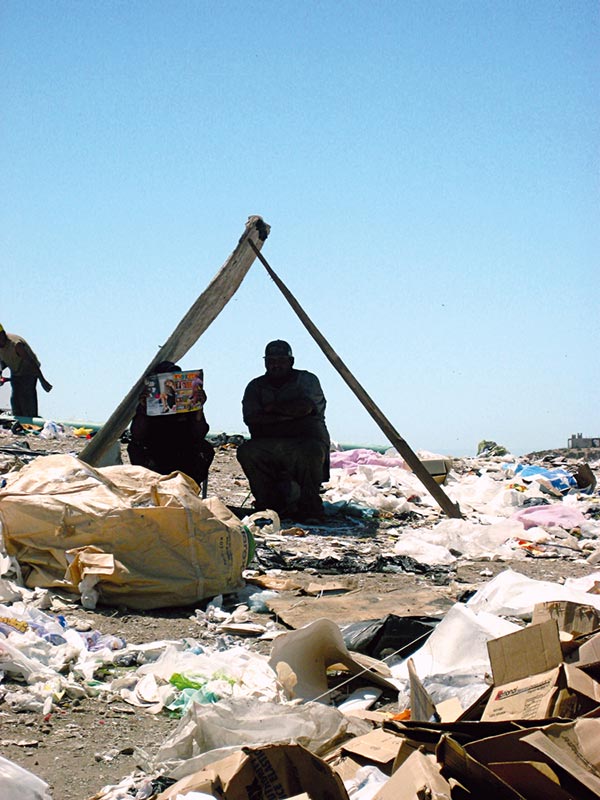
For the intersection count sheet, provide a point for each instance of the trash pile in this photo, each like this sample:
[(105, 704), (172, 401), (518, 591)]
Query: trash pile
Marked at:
[(503, 696), (379, 518), (499, 692)]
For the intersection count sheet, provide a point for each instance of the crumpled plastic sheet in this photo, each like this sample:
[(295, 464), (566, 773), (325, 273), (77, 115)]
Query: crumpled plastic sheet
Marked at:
[(384, 489), (209, 732), (452, 537), (514, 595), (17, 783), (350, 459), (454, 660), (365, 784), (554, 515)]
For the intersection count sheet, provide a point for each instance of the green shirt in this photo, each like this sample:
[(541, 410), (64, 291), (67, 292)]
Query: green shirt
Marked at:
[(11, 359)]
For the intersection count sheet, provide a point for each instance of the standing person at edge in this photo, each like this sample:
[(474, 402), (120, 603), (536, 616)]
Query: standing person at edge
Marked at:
[(174, 442), (287, 456), (25, 372)]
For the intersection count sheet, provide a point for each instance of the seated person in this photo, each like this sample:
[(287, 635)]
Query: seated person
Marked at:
[(287, 456), (174, 442)]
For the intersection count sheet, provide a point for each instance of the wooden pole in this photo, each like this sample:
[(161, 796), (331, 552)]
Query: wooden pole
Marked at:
[(436, 491), (206, 308)]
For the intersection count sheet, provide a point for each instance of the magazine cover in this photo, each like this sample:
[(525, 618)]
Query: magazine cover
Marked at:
[(174, 392)]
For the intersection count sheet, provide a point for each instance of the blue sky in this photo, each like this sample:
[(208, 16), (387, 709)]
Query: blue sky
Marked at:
[(429, 171)]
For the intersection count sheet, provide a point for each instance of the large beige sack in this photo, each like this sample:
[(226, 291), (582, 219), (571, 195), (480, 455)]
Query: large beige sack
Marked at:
[(149, 539)]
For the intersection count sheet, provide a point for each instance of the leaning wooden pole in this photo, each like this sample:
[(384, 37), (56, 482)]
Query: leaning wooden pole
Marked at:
[(206, 308), (436, 491)]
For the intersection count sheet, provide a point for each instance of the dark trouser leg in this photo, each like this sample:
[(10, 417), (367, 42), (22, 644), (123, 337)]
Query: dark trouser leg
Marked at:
[(200, 462), (306, 468), (262, 465), (23, 400), (270, 463)]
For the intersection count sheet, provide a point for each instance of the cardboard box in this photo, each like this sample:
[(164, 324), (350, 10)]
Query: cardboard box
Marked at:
[(574, 749), (565, 691), (530, 651), (529, 698), (377, 747), (264, 772), (534, 779), (530, 680), (475, 776), (589, 654), (571, 617), (419, 776), (550, 762), (520, 765)]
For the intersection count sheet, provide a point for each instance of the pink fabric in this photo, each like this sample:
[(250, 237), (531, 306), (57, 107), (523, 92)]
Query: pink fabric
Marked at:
[(545, 516), (351, 459)]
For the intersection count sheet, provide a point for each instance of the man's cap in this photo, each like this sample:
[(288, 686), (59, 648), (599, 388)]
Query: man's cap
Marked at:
[(278, 348)]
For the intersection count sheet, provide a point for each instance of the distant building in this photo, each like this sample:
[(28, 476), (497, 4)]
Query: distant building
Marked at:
[(577, 441)]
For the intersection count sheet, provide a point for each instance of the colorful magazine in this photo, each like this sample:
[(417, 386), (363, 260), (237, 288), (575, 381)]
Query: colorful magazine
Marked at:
[(174, 392)]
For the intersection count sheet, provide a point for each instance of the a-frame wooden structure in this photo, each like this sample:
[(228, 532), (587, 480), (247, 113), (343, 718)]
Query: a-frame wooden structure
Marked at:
[(204, 311)]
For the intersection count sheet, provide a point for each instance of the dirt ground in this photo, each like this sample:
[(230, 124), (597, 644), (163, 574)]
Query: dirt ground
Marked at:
[(88, 743)]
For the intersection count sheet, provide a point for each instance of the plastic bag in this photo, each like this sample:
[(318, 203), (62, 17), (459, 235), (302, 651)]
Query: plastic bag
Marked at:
[(18, 783)]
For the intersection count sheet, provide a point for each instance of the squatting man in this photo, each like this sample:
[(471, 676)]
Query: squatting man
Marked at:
[(287, 456)]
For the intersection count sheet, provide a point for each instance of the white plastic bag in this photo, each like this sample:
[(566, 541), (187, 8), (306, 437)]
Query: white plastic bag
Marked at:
[(18, 783)]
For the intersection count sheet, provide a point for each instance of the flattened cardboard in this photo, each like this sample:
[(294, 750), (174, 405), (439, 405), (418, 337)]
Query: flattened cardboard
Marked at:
[(418, 775), (407, 748), (535, 780), (370, 602), (574, 748), (377, 746), (589, 652), (511, 751), (473, 775), (346, 767), (580, 682), (571, 617), (262, 773), (449, 710), (530, 651), (317, 588), (207, 779), (422, 706), (283, 771)]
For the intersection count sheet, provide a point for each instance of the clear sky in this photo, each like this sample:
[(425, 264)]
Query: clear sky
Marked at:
[(429, 170)]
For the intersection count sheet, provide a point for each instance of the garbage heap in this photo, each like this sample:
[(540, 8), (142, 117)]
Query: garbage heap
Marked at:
[(500, 693)]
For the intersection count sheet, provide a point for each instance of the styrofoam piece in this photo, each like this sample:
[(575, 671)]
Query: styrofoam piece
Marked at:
[(361, 698)]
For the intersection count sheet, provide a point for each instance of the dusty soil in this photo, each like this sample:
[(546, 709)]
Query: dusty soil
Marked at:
[(86, 744)]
